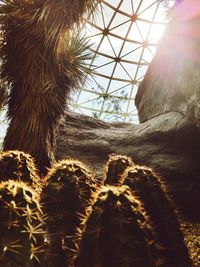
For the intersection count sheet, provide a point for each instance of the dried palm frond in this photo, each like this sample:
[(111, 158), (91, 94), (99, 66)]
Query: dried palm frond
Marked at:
[(41, 62)]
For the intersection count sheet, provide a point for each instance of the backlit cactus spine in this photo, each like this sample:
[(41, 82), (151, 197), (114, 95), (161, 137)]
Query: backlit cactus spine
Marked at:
[(152, 192), (116, 232), (21, 226), (19, 166), (65, 197), (115, 167)]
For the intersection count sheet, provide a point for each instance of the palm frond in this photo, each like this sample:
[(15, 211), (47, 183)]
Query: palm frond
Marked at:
[(79, 58)]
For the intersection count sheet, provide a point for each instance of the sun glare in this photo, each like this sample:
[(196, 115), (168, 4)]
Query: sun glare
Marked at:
[(156, 33), (124, 36)]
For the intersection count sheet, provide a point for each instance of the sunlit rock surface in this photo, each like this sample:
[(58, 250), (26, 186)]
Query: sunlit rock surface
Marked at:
[(173, 77)]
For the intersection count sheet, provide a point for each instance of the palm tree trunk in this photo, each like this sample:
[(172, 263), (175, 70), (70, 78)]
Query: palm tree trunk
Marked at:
[(40, 70)]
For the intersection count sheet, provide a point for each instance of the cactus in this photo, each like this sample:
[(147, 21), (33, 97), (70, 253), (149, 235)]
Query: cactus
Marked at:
[(116, 232), (131, 224), (65, 197), (148, 187), (115, 168), (21, 226), (16, 165)]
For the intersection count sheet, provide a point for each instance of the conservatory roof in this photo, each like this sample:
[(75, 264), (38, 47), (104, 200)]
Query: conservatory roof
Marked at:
[(124, 34)]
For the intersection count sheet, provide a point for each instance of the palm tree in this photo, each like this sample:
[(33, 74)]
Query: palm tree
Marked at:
[(42, 62)]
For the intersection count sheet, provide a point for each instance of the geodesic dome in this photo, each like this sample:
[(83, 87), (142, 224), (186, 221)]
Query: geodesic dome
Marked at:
[(124, 34)]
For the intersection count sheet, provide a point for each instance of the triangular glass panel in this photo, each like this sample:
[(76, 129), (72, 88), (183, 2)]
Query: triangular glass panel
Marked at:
[(107, 14), (121, 73), (135, 33), (127, 7), (148, 55), (116, 44), (106, 47), (148, 9), (105, 69), (120, 25), (132, 52), (100, 84), (120, 89)]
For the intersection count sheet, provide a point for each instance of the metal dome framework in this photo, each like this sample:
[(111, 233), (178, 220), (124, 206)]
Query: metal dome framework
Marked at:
[(124, 36)]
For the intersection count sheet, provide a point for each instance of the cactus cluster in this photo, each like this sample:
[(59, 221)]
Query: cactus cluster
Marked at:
[(127, 221)]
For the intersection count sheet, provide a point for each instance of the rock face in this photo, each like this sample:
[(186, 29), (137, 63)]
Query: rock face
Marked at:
[(169, 143), (173, 77)]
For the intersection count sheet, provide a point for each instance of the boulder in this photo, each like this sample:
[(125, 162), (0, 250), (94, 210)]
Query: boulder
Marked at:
[(173, 77), (169, 144)]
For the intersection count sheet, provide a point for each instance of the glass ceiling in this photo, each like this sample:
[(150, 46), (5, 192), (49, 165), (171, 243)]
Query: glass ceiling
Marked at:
[(124, 34)]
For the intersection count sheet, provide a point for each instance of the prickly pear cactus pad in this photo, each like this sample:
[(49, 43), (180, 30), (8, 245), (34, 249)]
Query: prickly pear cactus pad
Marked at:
[(115, 167), (149, 188), (116, 232), (21, 226), (16, 165), (65, 198)]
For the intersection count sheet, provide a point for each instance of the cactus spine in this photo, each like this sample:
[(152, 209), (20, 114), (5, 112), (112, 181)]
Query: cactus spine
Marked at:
[(115, 167), (148, 187), (116, 232), (21, 226), (18, 166), (65, 197)]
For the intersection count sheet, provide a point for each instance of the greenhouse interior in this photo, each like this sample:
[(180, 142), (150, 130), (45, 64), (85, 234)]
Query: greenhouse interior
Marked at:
[(100, 133)]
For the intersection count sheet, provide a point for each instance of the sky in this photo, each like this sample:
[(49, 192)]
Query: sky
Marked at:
[(102, 96), (114, 99)]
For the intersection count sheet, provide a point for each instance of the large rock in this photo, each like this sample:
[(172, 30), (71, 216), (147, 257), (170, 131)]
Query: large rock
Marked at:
[(169, 143), (172, 82)]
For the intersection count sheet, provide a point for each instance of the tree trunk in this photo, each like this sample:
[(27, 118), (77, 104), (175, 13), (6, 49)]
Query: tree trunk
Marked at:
[(40, 67)]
